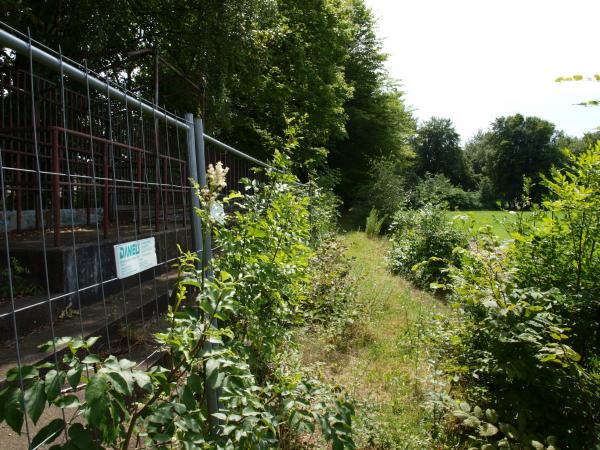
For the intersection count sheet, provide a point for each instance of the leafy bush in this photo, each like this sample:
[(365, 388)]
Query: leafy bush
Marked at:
[(525, 342), (559, 246), (256, 289), (423, 244), (384, 190), (324, 206), (374, 223), (512, 355), (438, 190)]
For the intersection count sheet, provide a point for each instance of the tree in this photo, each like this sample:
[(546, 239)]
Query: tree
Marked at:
[(522, 147), (379, 125), (437, 145)]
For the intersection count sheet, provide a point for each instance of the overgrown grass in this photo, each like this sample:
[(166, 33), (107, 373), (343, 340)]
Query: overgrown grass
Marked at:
[(384, 362)]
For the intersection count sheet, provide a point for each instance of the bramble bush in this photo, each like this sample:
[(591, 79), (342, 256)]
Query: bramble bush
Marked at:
[(522, 354), (422, 245), (256, 289)]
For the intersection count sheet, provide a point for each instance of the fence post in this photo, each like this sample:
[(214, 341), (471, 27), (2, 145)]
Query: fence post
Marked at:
[(195, 201), (212, 395), (201, 168)]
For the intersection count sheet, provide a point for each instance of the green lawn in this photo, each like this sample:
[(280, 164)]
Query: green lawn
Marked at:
[(386, 366), (497, 220)]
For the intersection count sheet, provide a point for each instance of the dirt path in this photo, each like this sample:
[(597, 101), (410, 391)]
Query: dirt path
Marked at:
[(386, 366)]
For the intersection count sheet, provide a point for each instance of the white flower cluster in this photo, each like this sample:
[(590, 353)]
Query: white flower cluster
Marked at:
[(216, 176)]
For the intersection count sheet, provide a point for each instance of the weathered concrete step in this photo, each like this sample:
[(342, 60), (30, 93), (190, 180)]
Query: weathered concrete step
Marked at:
[(124, 321)]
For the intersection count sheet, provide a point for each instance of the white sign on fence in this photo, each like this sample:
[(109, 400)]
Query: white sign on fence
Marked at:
[(135, 257)]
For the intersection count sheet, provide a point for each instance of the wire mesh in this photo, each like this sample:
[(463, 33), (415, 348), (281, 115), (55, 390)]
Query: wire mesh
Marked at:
[(83, 170)]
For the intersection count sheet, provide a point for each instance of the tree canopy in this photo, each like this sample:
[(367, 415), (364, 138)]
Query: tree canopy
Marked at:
[(256, 70), (437, 145), (522, 147)]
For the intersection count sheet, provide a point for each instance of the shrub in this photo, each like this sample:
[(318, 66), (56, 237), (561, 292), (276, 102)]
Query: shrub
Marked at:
[(374, 223), (255, 288), (559, 246), (384, 190), (423, 244), (525, 345), (512, 355), (438, 190)]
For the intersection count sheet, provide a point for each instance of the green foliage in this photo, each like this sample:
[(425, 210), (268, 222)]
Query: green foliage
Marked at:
[(438, 190), (512, 354), (437, 146), (257, 289), (423, 244), (379, 124), (522, 147), (384, 189), (21, 282), (558, 247), (374, 223), (524, 344)]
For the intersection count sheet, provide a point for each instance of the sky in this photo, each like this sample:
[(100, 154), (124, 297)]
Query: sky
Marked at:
[(475, 60)]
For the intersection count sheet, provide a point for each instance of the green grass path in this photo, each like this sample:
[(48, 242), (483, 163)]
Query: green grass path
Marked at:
[(385, 364)]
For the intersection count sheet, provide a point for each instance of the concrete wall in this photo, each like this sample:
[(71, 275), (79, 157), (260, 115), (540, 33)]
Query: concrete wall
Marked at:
[(67, 217)]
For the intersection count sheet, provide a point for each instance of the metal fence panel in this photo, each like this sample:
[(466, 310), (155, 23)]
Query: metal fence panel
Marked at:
[(85, 166)]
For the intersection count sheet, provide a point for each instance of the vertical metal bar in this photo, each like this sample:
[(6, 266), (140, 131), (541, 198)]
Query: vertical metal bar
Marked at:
[(182, 183), (138, 163), (212, 395), (201, 170), (88, 200), (165, 187), (150, 229), (135, 218), (114, 179), (94, 181), (194, 200), (105, 193), (56, 187), (70, 197), (38, 171), (18, 192)]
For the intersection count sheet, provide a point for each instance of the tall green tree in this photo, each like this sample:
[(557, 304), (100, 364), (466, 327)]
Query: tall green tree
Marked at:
[(379, 124), (438, 150), (522, 147)]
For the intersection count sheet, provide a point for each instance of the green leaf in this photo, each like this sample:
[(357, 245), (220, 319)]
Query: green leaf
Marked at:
[(35, 400), (219, 416), (143, 380), (74, 376), (487, 429), (82, 437), (195, 383), (27, 372), (491, 415), (48, 433), (54, 383), (119, 383), (91, 341), (96, 398), (537, 445), (125, 364), (13, 413), (91, 359), (68, 401), (212, 366)]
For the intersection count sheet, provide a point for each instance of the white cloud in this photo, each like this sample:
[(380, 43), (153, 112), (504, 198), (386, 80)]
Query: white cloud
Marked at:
[(473, 61)]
